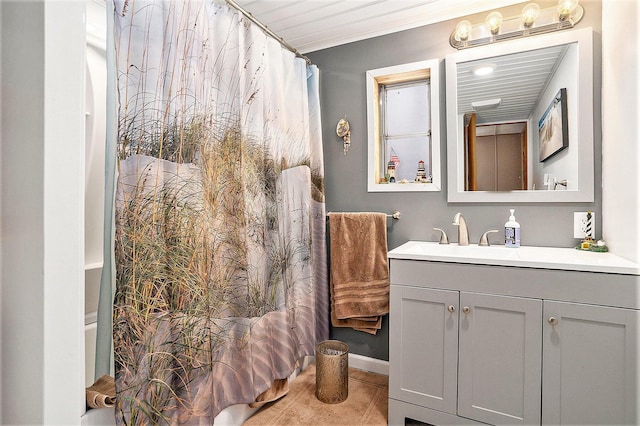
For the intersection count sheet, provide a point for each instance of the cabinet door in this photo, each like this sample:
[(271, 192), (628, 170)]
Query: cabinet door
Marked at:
[(589, 365), (423, 347), (500, 359)]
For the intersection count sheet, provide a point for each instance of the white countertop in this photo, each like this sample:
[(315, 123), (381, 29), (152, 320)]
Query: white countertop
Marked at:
[(568, 259)]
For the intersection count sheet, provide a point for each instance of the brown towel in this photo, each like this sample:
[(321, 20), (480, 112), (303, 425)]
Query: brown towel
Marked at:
[(369, 325), (359, 270), (278, 389), (102, 393)]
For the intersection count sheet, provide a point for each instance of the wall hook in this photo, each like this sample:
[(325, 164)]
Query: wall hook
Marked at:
[(342, 130)]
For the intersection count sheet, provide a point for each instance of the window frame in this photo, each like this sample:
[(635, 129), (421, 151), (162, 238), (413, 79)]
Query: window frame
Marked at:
[(385, 136), (404, 73)]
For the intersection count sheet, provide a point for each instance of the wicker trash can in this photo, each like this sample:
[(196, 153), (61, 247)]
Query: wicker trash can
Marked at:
[(332, 371)]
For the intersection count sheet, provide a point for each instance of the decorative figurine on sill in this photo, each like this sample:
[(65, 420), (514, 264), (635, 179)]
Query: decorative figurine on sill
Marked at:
[(391, 172), (421, 176), (600, 246), (342, 130), (587, 243), (590, 244)]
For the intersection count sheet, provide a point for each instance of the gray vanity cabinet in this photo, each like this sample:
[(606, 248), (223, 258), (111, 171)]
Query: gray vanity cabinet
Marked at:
[(482, 344), (473, 355), (590, 365)]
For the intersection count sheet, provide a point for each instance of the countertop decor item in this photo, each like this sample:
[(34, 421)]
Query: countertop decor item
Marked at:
[(512, 231)]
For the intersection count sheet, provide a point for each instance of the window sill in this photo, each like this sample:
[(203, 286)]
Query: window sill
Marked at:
[(403, 187)]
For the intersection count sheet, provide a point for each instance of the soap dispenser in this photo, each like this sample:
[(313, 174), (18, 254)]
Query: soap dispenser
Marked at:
[(512, 231)]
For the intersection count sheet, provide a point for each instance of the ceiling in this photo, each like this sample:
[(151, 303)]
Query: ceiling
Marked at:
[(518, 81), (310, 25)]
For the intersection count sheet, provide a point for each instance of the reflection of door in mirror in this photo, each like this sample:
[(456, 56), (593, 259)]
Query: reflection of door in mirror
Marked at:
[(496, 156), (470, 181)]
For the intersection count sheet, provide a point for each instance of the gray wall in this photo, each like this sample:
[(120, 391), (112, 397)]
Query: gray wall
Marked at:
[(343, 92), (22, 226)]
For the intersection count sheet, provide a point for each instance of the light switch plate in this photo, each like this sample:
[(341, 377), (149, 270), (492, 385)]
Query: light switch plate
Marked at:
[(584, 225)]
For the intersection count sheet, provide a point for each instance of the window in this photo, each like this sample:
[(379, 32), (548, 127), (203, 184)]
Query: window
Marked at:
[(406, 130), (403, 116)]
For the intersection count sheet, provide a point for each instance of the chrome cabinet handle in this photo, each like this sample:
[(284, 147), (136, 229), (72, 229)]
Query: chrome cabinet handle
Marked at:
[(553, 320), (466, 309), (451, 308)]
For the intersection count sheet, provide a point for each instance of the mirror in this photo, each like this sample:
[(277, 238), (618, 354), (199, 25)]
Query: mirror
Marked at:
[(523, 132)]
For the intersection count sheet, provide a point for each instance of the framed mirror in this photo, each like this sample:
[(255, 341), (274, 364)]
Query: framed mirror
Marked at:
[(523, 130)]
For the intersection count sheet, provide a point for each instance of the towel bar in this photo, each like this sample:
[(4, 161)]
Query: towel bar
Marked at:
[(394, 215)]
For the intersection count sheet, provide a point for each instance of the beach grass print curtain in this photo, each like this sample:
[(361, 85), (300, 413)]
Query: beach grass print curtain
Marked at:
[(221, 283)]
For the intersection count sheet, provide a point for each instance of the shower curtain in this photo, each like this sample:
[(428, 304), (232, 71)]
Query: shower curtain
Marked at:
[(221, 283)]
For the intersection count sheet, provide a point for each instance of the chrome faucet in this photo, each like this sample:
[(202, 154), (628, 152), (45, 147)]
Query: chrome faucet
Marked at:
[(463, 231)]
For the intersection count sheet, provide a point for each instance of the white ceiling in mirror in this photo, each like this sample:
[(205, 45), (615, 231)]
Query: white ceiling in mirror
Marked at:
[(523, 58), (516, 80)]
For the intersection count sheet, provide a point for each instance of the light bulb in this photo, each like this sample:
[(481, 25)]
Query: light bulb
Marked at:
[(530, 14), (463, 30), (493, 21), (566, 8)]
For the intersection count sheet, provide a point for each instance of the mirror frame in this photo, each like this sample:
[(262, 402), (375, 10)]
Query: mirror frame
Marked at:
[(584, 141)]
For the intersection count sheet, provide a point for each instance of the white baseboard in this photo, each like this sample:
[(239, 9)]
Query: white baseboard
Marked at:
[(366, 363)]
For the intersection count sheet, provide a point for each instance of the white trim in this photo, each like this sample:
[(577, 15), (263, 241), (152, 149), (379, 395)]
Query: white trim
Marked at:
[(366, 363), (373, 136), (62, 303)]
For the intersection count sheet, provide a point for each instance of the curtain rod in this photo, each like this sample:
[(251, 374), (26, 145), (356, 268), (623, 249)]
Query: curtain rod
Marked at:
[(264, 28)]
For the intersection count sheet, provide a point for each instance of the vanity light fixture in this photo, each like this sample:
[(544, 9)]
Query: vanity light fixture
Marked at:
[(463, 30), (533, 20), (566, 8), (494, 21), (529, 14)]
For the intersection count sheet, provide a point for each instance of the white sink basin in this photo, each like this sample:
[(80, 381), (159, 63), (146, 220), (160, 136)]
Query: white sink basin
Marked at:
[(525, 256)]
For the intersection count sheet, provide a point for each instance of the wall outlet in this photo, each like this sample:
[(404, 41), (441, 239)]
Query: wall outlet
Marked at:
[(584, 225)]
